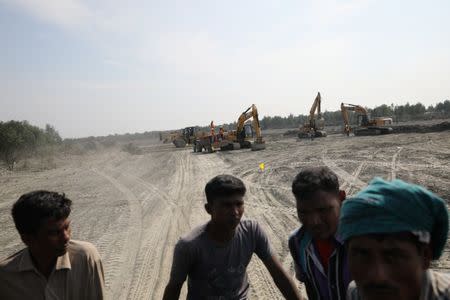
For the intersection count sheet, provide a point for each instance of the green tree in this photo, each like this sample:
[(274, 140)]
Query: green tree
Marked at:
[(52, 136), (20, 139)]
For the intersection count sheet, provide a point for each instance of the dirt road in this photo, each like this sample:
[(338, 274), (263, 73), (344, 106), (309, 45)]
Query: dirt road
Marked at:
[(135, 207)]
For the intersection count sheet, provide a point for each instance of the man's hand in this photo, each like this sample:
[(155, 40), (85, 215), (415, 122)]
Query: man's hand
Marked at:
[(172, 291), (282, 279)]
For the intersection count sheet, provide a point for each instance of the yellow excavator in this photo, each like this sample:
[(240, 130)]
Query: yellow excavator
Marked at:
[(367, 126), (245, 132), (315, 123), (246, 135)]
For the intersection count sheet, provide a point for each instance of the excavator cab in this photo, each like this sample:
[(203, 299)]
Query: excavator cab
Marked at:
[(363, 120), (245, 135), (188, 134), (248, 131)]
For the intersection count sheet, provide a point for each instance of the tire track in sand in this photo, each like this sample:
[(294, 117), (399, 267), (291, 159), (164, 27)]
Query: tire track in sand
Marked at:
[(359, 170), (151, 268), (394, 163), (120, 287), (177, 215), (347, 177)]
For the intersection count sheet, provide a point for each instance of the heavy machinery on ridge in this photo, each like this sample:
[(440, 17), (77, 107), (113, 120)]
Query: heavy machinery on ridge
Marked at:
[(367, 126), (245, 132), (182, 137), (315, 123), (187, 136), (246, 135)]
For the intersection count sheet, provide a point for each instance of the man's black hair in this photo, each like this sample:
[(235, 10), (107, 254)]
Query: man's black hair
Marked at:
[(224, 185), (31, 209), (313, 179)]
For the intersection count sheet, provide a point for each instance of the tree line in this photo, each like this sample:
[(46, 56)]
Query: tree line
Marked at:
[(19, 139), (399, 113)]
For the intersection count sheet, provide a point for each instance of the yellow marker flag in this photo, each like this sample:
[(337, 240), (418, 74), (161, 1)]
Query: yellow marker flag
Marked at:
[(261, 166)]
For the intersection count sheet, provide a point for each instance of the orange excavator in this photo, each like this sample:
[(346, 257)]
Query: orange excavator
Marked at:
[(366, 125)]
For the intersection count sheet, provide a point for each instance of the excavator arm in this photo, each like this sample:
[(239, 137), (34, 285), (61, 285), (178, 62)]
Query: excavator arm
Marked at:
[(345, 107), (314, 124), (344, 111), (314, 107)]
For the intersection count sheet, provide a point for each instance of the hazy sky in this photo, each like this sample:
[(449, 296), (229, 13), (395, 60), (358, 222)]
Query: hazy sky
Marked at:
[(107, 66)]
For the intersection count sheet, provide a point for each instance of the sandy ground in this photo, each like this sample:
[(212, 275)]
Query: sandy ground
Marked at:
[(135, 207)]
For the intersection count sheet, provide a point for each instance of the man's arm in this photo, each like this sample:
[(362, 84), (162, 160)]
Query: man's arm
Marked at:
[(282, 279), (180, 266), (172, 291)]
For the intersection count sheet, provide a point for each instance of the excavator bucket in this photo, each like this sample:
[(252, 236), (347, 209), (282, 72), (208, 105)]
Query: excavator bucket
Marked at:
[(258, 146), (321, 133), (236, 146), (179, 143)]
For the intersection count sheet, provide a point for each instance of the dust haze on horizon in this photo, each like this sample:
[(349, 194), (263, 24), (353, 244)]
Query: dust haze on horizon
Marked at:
[(104, 67)]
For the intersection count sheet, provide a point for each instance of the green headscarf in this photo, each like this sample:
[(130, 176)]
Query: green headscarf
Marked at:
[(392, 207)]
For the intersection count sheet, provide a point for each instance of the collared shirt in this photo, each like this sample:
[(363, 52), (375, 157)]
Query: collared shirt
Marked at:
[(320, 284), (78, 274), (436, 286)]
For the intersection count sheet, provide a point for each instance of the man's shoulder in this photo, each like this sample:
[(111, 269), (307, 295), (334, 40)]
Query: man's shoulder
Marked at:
[(440, 284), (12, 262), (83, 250), (194, 235), (249, 225), (298, 234)]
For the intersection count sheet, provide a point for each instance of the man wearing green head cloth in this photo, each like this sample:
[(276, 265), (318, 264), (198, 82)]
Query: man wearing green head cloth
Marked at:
[(393, 230)]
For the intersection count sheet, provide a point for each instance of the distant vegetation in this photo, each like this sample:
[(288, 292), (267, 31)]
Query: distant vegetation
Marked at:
[(399, 113), (19, 140)]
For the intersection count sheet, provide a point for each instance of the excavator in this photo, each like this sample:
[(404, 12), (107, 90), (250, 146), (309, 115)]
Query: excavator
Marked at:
[(367, 126), (245, 132), (314, 124), (235, 139)]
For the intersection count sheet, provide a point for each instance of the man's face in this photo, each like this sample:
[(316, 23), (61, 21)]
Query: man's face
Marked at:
[(388, 268), (52, 238), (227, 211), (320, 214)]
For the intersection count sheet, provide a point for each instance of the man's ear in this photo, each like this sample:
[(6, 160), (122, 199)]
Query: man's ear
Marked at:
[(342, 195), (208, 208), (26, 238)]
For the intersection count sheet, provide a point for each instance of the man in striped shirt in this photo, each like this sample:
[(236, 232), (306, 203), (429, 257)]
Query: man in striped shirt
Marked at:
[(393, 230), (319, 254)]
